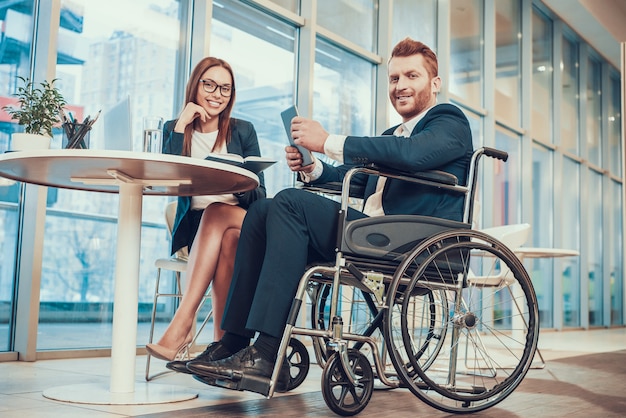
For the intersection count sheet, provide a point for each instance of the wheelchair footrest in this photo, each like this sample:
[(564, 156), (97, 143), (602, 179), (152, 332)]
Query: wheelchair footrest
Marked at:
[(251, 383)]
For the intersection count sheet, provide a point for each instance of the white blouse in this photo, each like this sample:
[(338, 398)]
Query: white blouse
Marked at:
[(201, 146)]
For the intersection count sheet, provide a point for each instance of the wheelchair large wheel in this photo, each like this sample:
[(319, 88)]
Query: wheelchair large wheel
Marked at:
[(493, 321), (341, 396), (428, 327)]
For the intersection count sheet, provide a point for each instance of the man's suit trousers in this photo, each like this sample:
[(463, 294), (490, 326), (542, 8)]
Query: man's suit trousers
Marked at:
[(279, 237)]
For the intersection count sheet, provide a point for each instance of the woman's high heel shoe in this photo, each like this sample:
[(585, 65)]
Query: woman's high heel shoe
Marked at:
[(170, 354)]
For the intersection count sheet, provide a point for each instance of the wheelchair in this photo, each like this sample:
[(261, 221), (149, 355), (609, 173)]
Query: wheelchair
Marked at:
[(447, 312)]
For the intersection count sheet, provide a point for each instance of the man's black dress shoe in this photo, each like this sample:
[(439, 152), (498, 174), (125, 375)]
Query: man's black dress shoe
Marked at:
[(244, 370), (214, 351)]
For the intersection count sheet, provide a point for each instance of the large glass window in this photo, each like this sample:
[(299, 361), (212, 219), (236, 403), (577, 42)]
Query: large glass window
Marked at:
[(508, 57), (355, 20), (478, 217), (542, 79), (104, 55), (541, 269), (16, 41), (466, 50), (406, 13), (508, 180), (614, 133), (343, 91), (617, 260), (261, 50), (571, 226), (593, 132), (595, 249), (569, 97), (291, 5)]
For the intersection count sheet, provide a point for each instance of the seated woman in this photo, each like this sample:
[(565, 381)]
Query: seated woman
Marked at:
[(208, 225)]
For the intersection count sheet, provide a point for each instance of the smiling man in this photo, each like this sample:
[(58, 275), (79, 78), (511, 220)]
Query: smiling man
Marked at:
[(280, 236)]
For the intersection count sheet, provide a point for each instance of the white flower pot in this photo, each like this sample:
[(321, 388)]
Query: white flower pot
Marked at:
[(24, 142)]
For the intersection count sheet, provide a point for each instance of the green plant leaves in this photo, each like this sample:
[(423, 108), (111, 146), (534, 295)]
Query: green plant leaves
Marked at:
[(39, 106)]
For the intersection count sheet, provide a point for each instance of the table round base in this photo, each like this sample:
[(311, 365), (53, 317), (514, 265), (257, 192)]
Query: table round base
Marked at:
[(99, 394)]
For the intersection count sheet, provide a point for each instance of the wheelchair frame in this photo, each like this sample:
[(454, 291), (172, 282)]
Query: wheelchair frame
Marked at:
[(435, 274)]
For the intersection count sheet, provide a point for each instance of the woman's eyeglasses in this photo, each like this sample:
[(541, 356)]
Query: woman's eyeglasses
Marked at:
[(210, 86)]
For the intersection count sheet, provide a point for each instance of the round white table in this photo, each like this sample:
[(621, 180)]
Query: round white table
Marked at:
[(132, 175), (540, 252)]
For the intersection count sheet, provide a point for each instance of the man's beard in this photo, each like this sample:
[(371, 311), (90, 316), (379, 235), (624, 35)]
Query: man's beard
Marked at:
[(422, 102)]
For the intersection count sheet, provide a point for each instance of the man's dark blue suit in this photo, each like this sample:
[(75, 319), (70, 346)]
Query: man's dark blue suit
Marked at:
[(280, 236)]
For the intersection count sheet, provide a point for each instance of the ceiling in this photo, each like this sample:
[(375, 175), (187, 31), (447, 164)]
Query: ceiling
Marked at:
[(600, 22)]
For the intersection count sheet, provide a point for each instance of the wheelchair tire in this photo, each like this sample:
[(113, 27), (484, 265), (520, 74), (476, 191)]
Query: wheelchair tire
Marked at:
[(298, 358), (493, 321), (341, 396)]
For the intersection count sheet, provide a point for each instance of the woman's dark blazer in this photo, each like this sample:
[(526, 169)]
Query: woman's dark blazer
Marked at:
[(243, 142)]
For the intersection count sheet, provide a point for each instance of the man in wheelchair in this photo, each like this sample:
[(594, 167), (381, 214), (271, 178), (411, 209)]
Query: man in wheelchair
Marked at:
[(280, 236)]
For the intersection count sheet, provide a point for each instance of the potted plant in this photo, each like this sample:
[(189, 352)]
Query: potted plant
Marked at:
[(38, 112)]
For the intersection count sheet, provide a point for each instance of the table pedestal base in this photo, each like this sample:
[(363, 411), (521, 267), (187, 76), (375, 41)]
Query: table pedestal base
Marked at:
[(99, 394)]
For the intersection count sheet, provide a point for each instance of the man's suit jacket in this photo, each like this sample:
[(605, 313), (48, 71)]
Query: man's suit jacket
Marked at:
[(243, 142), (442, 140)]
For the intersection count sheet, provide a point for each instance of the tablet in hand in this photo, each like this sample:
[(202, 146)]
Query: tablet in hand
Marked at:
[(287, 115)]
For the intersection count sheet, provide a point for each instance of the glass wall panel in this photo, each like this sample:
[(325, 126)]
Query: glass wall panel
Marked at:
[(406, 13), (571, 226), (466, 50), (476, 127), (593, 132), (291, 5), (542, 79), (508, 180), (343, 91), (355, 20), (541, 269), (261, 50), (569, 97), (614, 133), (508, 57), (104, 55), (595, 249), (617, 260), (15, 43)]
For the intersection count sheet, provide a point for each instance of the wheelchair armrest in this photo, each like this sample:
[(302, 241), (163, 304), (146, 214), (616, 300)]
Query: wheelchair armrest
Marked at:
[(333, 188), (436, 176), (432, 176)]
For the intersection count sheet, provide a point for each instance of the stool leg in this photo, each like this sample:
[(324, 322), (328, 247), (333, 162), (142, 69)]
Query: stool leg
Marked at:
[(152, 320)]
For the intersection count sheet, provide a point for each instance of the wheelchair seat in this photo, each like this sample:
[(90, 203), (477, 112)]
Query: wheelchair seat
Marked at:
[(389, 237)]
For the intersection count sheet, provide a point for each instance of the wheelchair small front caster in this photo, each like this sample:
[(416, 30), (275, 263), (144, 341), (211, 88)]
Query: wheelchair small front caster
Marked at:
[(298, 358), (341, 396)]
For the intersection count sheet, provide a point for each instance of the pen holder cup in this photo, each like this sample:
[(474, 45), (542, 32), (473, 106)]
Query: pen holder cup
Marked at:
[(76, 136)]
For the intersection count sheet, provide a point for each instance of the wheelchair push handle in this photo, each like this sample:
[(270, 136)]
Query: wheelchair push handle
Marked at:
[(496, 153)]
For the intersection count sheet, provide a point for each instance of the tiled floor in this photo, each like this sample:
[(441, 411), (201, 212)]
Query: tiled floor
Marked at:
[(22, 385)]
